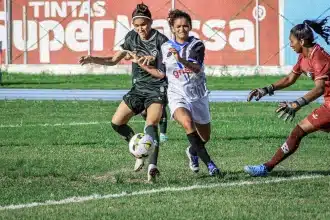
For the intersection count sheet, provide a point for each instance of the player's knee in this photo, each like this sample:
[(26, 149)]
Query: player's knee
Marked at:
[(152, 121), (187, 124), (115, 126)]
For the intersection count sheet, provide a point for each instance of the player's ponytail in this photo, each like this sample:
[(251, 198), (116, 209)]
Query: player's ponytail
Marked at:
[(320, 28), (141, 11), (305, 30)]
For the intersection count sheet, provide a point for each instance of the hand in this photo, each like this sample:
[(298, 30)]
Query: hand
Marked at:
[(260, 92), (85, 60), (290, 108), (287, 108), (175, 53), (146, 60)]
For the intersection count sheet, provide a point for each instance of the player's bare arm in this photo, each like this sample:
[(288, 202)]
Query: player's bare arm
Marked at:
[(289, 109), (316, 92), (108, 61), (285, 82), (196, 68), (152, 70)]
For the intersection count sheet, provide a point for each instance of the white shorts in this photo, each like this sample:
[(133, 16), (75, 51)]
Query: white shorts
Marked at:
[(200, 109)]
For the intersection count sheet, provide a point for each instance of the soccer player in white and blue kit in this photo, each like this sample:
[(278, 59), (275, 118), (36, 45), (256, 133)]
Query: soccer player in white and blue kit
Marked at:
[(187, 92)]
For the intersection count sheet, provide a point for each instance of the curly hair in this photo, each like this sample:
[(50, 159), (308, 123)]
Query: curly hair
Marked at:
[(175, 14)]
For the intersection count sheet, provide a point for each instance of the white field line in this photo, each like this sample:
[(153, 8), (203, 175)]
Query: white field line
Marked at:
[(58, 124), (74, 124), (161, 190)]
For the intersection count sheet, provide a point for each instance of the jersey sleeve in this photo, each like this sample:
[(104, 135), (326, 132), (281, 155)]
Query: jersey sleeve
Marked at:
[(127, 45), (197, 53), (321, 65), (297, 68), (164, 52), (160, 61)]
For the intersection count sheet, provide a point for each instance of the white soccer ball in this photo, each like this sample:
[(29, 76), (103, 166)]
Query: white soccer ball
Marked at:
[(141, 145)]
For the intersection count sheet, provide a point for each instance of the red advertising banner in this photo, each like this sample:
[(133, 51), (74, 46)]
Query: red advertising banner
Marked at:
[(58, 31)]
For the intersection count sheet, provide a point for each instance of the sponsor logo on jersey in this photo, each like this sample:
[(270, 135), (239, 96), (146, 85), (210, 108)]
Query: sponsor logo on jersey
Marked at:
[(177, 73)]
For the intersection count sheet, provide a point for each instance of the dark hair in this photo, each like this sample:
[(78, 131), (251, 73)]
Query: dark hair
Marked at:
[(141, 10), (305, 30), (174, 14)]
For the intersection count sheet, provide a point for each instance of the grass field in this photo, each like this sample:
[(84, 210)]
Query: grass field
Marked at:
[(53, 150), (45, 81)]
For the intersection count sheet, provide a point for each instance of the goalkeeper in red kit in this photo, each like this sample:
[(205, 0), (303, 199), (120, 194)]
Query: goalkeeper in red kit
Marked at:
[(314, 62)]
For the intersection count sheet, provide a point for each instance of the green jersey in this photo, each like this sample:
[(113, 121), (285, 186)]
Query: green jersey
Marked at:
[(152, 47)]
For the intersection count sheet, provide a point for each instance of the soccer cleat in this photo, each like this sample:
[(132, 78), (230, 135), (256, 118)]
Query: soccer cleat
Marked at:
[(258, 170), (139, 163), (193, 161), (213, 169), (152, 172), (162, 137)]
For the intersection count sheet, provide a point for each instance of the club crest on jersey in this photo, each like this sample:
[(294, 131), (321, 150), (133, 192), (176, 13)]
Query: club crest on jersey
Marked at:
[(154, 52), (309, 74)]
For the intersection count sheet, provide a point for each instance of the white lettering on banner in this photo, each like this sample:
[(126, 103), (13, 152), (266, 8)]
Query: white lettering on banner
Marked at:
[(243, 29), (58, 11), (3, 32), (122, 28), (74, 43), (99, 27), (218, 40), (54, 9), (47, 45), (195, 25), (36, 6), (32, 37), (53, 35), (162, 26)]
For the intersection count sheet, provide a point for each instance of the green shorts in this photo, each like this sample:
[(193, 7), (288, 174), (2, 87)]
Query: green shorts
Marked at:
[(138, 100)]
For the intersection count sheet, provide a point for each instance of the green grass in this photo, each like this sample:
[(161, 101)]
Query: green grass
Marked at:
[(44, 81), (40, 163)]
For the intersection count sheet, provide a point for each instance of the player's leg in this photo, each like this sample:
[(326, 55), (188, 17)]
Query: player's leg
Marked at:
[(163, 126), (144, 115), (153, 117), (201, 116), (130, 106), (120, 119), (319, 119), (183, 116)]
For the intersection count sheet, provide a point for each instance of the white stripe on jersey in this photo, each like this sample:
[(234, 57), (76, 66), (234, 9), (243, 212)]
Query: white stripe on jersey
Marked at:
[(191, 86)]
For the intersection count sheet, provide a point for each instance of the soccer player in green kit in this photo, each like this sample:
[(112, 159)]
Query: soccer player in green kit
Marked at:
[(143, 45)]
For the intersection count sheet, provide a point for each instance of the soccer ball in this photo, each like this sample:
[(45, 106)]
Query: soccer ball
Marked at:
[(141, 145)]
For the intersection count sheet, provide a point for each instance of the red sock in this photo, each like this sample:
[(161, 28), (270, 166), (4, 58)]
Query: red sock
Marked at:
[(288, 148)]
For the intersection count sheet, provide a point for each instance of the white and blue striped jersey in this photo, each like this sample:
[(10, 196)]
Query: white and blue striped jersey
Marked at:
[(182, 81)]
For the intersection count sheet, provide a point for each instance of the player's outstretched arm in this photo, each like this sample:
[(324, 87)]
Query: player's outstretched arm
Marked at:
[(287, 81), (108, 61), (288, 110)]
